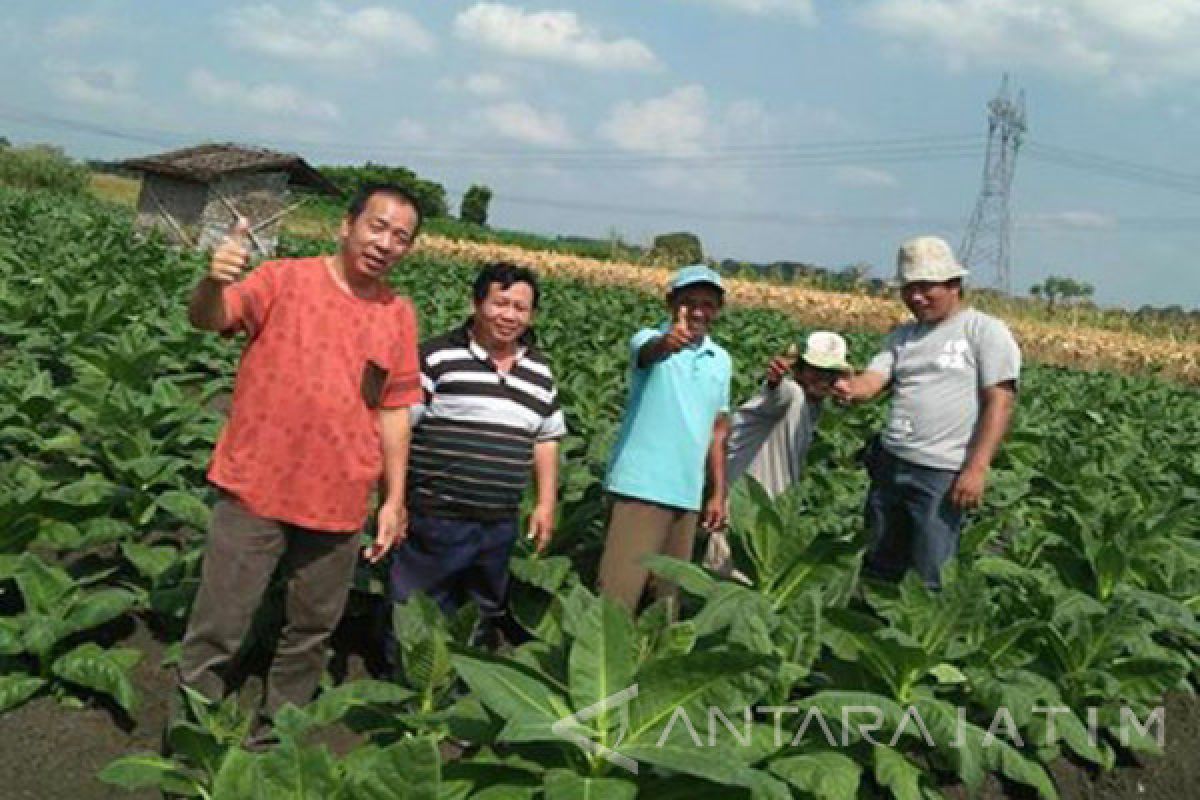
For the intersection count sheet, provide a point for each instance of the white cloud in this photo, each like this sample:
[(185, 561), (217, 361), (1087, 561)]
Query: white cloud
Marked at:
[(485, 84), (558, 36), (75, 28), (328, 33), (685, 124), (676, 124), (865, 177), (1134, 45), (1076, 220), (480, 84), (523, 123), (410, 131), (102, 85), (263, 98), (801, 10)]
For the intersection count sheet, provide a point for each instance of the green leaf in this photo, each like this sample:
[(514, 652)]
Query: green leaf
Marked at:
[(730, 680), (41, 633), (100, 670), (151, 561), (333, 704), (527, 701), (547, 573), (601, 662), (91, 490), (895, 772), (59, 535), (825, 775), (149, 771), (42, 586), (946, 673), (96, 608), (240, 778), (103, 530), (10, 637), (16, 688), (409, 769), (185, 507), (563, 785), (692, 578)]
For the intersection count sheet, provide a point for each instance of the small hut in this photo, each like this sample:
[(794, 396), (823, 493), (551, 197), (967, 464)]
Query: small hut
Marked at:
[(194, 194)]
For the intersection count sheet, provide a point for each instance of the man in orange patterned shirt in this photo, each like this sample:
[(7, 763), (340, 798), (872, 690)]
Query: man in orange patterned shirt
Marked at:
[(320, 412)]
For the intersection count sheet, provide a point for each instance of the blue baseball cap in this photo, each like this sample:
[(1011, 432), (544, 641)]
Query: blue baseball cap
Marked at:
[(696, 273)]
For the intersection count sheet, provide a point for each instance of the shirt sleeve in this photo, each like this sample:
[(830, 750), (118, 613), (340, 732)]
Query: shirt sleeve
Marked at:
[(769, 404), (884, 361), (998, 353), (403, 387), (248, 302), (639, 340)]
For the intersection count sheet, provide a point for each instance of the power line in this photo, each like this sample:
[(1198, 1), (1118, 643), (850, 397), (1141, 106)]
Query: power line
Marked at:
[(810, 154)]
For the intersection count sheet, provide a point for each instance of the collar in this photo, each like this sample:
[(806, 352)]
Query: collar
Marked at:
[(462, 337)]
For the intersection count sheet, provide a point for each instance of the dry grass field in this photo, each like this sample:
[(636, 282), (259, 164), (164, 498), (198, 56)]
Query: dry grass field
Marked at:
[(1061, 345)]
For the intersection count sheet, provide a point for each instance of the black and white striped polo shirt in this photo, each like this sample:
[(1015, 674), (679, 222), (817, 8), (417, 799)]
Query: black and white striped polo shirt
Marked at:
[(472, 444)]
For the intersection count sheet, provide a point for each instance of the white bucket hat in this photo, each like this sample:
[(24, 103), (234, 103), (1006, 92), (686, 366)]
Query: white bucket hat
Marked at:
[(927, 258), (825, 350)]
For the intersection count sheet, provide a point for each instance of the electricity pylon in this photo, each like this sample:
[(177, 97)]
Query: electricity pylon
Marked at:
[(987, 247)]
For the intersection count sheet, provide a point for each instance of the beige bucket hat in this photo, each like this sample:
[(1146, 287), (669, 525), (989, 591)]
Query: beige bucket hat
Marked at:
[(927, 258), (825, 350)]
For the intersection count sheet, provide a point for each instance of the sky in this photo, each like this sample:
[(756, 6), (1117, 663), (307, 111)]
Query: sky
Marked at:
[(803, 130)]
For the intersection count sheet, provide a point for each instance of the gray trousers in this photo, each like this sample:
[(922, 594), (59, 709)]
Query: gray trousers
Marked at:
[(243, 551)]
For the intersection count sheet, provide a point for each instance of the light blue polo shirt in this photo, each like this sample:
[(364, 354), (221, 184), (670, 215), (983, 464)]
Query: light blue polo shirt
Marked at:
[(668, 423)]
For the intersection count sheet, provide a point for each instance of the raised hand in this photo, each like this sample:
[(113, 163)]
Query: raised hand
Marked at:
[(781, 366), (680, 335), (232, 257)]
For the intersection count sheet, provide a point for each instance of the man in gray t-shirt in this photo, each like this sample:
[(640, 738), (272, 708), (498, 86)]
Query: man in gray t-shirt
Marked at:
[(953, 374)]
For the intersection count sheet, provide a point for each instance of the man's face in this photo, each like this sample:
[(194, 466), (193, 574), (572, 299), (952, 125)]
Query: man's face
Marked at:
[(378, 237), (505, 314), (930, 301), (816, 383), (703, 304)]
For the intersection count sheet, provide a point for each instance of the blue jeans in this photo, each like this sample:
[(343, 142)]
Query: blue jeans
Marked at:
[(455, 561), (911, 521)]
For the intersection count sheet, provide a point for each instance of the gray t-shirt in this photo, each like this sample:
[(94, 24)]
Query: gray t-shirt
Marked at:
[(937, 374), (770, 435)]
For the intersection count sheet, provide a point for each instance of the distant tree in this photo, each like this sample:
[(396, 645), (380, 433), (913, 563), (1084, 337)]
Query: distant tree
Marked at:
[(677, 249), (430, 196), (1058, 290), (4, 142), (42, 166), (474, 206)]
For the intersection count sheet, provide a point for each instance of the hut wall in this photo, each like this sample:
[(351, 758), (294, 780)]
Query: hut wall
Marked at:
[(257, 196), (183, 200)]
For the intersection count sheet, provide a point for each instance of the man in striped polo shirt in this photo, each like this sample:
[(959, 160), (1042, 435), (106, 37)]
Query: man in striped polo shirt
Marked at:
[(490, 416)]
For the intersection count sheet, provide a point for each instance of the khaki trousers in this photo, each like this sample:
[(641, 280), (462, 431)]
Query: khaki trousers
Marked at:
[(243, 551), (637, 529)]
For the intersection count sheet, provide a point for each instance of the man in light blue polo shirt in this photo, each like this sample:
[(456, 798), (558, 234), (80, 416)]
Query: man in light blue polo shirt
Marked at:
[(676, 422)]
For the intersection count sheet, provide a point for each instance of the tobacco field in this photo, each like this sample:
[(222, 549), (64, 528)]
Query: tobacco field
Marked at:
[(1077, 588)]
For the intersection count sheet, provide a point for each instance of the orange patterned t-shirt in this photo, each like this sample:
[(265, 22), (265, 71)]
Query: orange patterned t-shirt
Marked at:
[(302, 444)]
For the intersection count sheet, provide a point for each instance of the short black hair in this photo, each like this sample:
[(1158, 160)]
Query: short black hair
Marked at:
[(506, 274), (363, 194)]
